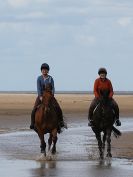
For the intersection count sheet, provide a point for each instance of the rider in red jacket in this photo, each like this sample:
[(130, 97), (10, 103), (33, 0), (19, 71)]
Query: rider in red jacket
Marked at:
[(103, 83)]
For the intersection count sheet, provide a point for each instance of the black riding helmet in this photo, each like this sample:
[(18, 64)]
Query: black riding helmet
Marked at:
[(45, 66), (102, 70)]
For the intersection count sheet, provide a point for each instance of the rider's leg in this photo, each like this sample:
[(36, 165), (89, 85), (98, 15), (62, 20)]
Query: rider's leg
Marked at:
[(37, 102), (116, 109), (32, 119), (91, 109)]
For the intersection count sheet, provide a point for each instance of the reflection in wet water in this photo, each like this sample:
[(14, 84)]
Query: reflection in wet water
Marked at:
[(29, 168), (45, 169)]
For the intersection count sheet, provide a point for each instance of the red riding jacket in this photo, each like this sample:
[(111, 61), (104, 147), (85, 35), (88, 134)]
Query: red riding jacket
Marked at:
[(102, 85)]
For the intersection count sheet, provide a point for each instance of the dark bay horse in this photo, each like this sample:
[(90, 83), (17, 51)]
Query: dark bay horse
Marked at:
[(104, 118), (46, 121)]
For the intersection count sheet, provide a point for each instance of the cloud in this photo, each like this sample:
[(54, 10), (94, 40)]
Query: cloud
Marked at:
[(24, 3), (86, 40), (32, 15), (42, 1), (18, 3), (125, 21)]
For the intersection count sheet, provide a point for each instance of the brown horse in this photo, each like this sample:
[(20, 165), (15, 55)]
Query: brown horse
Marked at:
[(46, 121)]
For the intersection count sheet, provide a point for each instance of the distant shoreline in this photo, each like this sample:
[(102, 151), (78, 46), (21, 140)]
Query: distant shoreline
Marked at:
[(66, 92), (20, 103)]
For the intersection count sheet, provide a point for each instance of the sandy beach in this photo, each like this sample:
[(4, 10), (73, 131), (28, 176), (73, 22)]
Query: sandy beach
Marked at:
[(15, 112)]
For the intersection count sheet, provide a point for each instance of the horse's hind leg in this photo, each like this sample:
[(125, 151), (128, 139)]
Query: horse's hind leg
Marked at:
[(54, 139), (54, 145), (109, 144), (49, 141), (98, 136), (43, 144)]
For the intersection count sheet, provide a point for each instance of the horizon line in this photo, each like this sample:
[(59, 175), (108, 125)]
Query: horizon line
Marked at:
[(64, 92)]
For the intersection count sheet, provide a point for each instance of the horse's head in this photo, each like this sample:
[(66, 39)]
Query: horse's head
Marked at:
[(48, 87), (47, 96), (104, 96)]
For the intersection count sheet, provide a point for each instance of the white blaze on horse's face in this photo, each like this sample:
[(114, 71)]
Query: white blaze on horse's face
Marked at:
[(102, 75)]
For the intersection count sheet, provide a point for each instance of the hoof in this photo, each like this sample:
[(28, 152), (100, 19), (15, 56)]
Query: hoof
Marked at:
[(43, 149), (53, 151), (101, 156), (43, 152)]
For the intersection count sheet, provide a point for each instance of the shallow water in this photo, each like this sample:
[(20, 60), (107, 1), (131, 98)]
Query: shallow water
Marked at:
[(76, 156)]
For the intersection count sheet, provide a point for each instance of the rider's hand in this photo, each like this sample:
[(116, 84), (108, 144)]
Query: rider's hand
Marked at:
[(40, 98)]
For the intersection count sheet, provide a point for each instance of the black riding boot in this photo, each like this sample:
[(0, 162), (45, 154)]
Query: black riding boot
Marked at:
[(61, 123), (32, 118), (60, 119), (116, 109)]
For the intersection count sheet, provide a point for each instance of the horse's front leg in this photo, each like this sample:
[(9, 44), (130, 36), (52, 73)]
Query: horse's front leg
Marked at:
[(109, 143), (54, 139), (42, 142), (104, 140), (98, 137)]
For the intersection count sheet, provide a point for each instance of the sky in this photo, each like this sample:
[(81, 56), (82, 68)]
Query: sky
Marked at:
[(75, 38)]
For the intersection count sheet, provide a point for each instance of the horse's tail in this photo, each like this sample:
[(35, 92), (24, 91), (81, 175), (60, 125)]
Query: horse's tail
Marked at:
[(116, 132)]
